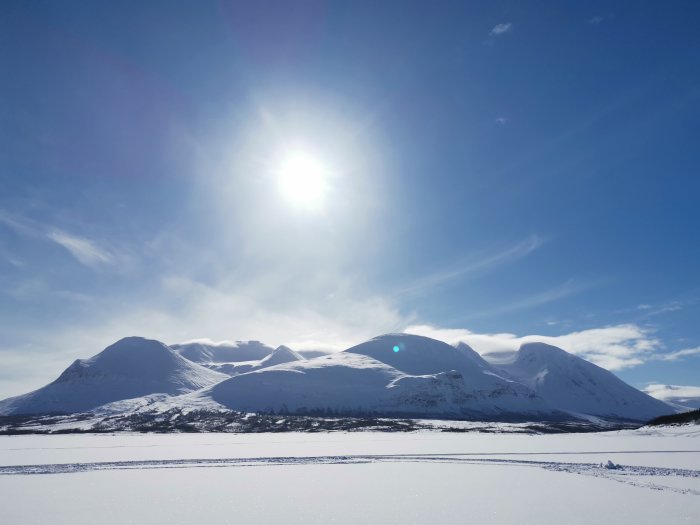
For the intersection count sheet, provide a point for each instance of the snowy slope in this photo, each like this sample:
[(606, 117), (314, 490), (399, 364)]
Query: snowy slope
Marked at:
[(424, 376), (226, 352), (423, 356), (418, 355), (282, 354), (130, 368), (574, 384), (343, 382)]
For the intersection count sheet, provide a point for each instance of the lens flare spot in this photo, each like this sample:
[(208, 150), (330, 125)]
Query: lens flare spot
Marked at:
[(396, 348)]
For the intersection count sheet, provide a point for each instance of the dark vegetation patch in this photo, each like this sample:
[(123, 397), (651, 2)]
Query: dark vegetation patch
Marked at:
[(677, 419), (176, 420)]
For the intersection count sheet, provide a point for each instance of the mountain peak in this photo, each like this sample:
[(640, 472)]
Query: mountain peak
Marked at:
[(142, 352), (574, 384), (281, 354), (539, 348), (131, 367), (412, 354)]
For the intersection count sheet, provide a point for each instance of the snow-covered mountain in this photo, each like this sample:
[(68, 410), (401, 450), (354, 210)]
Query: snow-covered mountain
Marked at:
[(391, 374), (225, 352), (279, 355), (394, 374), (130, 368), (576, 385)]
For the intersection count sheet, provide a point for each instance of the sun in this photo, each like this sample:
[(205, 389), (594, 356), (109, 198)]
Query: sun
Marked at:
[(303, 179)]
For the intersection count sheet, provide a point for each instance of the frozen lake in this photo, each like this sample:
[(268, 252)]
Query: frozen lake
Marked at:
[(363, 477)]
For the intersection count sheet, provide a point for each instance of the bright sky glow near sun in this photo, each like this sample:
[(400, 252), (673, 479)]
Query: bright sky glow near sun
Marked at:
[(318, 173), (302, 179)]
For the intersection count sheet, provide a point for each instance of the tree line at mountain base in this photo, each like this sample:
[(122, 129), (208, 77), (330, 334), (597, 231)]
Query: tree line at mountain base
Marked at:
[(176, 420)]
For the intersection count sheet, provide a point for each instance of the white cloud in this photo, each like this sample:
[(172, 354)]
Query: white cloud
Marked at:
[(227, 311), (612, 347), (501, 120), (84, 250), (684, 395), (500, 29)]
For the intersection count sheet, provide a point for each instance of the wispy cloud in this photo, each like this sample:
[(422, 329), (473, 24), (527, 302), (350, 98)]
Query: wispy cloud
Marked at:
[(570, 287), (500, 29), (17, 263), (680, 354), (612, 347), (599, 19), (86, 251), (466, 267), (501, 120), (19, 225), (647, 310), (673, 306)]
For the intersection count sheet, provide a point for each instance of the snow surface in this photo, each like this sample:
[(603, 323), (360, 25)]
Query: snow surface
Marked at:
[(349, 478)]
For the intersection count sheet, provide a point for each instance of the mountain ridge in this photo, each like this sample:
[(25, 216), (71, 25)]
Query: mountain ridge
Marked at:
[(392, 374)]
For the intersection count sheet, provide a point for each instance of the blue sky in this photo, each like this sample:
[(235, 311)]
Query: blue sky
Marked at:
[(492, 171)]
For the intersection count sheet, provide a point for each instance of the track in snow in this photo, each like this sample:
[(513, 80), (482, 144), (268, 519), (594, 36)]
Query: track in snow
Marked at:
[(629, 474)]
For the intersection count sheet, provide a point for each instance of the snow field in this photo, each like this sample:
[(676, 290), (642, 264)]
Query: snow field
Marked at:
[(354, 478)]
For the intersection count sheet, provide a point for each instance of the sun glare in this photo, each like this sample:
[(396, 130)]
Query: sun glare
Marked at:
[(303, 180)]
